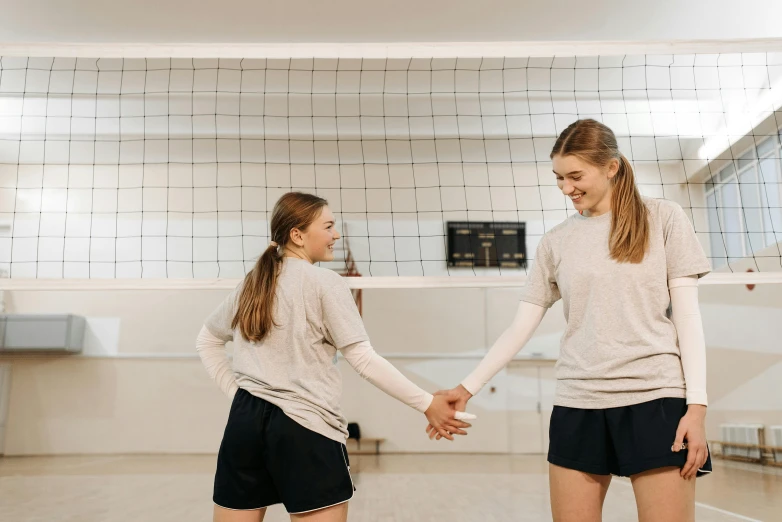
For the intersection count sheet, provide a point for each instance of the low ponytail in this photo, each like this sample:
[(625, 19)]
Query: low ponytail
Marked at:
[(254, 314)]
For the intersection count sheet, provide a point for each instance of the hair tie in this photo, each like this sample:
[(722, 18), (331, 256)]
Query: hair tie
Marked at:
[(273, 244)]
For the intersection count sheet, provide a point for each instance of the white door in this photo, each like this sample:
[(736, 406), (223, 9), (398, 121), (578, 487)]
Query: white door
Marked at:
[(523, 408)]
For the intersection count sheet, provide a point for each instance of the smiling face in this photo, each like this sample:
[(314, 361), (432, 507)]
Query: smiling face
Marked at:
[(588, 186), (316, 242)]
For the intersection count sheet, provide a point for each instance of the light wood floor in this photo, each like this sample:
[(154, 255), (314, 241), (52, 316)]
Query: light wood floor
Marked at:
[(391, 488)]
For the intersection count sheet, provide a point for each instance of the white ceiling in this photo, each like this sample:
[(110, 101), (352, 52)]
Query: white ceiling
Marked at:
[(364, 21)]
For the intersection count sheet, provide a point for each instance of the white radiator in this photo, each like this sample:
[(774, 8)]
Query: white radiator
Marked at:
[(774, 438), (742, 434)]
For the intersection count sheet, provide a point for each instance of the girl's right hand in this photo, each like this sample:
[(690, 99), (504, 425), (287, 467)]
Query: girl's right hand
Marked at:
[(441, 416), (457, 397)]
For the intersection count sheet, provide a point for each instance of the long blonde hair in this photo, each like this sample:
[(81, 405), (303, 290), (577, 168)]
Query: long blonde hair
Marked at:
[(256, 301), (595, 143)]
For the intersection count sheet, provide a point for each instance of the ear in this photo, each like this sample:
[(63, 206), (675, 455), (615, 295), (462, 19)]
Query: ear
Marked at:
[(613, 168), (296, 237)]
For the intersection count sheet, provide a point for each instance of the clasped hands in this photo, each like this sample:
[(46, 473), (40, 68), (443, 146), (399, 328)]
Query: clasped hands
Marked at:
[(446, 414)]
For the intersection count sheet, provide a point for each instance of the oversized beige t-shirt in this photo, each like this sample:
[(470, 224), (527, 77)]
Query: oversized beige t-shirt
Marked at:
[(295, 366), (619, 346)]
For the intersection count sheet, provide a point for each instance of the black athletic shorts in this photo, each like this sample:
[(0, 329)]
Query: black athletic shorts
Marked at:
[(267, 458), (618, 441)]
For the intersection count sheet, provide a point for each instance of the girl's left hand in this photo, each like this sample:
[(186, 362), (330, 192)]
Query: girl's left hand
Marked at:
[(692, 429), (441, 416)]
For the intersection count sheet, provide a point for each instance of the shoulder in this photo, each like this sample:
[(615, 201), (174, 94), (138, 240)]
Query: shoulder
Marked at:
[(668, 214), (662, 208), (233, 296), (322, 278), (553, 236)]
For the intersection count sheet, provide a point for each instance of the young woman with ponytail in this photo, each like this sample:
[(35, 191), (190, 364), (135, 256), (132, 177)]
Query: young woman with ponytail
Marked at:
[(284, 441), (631, 375)]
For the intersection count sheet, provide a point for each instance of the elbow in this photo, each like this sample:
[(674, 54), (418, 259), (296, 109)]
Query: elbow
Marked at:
[(362, 368)]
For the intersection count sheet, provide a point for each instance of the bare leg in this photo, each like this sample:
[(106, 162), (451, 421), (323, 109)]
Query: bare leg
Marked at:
[(577, 496), (222, 514), (663, 495), (338, 513)]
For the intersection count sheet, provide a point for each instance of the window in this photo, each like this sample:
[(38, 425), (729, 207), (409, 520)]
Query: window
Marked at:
[(745, 206)]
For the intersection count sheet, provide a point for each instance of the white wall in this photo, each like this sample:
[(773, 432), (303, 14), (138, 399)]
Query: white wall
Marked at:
[(87, 198), (140, 387), (149, 393)]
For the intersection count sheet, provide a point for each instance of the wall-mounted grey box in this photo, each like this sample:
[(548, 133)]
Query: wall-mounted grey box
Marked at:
[(61, 333)]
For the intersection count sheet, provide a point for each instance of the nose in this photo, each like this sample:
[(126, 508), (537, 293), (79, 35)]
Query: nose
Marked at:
[(566, 187), (337, 235)]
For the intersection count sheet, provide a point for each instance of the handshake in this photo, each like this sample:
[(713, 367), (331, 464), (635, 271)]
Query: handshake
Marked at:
[(446, 414)]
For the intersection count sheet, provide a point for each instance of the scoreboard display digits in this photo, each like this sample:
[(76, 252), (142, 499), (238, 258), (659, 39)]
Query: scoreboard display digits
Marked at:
[(486, 244)]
